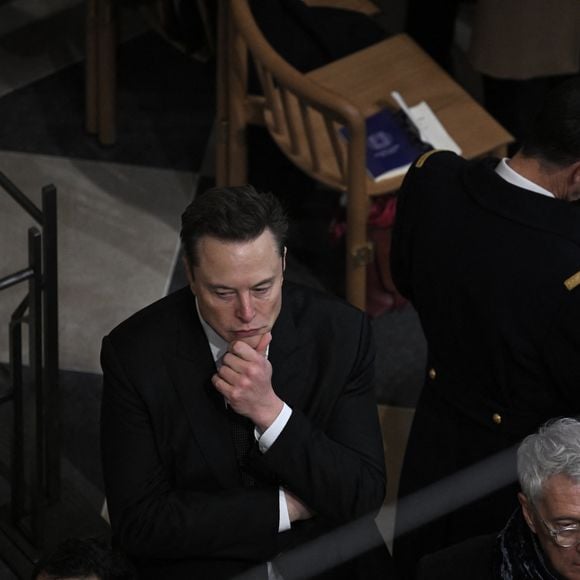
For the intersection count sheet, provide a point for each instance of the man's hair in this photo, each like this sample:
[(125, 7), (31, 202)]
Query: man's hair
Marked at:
[(553, 450), (235, 214), (82, 558), (554, 136)]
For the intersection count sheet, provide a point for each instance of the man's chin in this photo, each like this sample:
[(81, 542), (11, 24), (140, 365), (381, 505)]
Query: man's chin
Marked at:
[(251, 340)]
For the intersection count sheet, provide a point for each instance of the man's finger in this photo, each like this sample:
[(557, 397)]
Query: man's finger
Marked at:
[(264, 342)]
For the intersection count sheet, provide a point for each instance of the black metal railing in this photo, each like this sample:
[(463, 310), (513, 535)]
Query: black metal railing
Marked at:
[(33, 388)]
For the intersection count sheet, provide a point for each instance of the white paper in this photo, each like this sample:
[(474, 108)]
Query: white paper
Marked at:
[(430, 128)]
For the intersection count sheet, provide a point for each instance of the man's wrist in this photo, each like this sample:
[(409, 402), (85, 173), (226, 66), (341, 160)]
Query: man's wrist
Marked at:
[(269, 436), (269, 415)]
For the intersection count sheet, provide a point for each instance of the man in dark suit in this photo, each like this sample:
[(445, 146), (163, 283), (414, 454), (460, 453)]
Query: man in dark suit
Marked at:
[(488, 252), (238, 419)]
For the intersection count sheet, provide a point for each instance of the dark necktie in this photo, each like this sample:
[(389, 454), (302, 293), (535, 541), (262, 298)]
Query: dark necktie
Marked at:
[(242, 430)]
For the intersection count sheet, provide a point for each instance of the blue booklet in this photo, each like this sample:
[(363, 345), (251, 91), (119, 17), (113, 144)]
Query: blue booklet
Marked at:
[(392, 144)]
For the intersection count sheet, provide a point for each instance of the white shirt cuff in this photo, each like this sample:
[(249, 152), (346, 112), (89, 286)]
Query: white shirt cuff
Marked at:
[(284, 520), (269, 436)]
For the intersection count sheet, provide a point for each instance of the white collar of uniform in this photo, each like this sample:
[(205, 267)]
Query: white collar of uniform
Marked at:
[(513, 177), (217, 344)]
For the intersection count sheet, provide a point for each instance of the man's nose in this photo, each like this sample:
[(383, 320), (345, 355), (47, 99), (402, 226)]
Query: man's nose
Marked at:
[(245, 308)]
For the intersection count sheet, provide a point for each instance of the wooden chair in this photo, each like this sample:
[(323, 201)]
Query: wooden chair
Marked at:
[(101, 57), (303, 113)]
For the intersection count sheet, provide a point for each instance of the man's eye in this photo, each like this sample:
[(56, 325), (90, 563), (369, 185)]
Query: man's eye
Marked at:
[(223, 293), (261, 289), (569, 529)]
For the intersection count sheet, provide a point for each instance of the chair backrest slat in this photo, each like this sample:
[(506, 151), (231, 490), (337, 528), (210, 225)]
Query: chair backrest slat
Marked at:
[(336, 146), (288, 98), (310, 138), (271, 94)]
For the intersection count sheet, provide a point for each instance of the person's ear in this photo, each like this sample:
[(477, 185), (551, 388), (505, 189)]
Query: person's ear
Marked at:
[(574, 175), (527, 511), (284, 253), (188, 272)]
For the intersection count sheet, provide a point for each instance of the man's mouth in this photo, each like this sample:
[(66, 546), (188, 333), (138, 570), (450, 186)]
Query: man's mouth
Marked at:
[(247, 333)]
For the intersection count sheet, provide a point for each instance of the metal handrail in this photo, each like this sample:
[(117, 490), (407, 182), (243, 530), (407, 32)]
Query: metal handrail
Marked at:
[(35, 470)]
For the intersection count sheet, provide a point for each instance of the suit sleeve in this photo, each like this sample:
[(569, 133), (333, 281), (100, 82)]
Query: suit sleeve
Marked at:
[(562, 350), (154, 516), (337, 468)]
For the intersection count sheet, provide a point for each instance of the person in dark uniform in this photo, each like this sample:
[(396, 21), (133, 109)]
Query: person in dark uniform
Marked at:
[(488, 252)]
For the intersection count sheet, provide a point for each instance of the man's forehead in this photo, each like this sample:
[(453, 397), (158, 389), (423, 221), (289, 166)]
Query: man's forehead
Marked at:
[(263, 240)]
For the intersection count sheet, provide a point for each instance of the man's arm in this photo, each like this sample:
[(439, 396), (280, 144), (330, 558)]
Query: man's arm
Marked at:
[(152, 514), (335, 468)]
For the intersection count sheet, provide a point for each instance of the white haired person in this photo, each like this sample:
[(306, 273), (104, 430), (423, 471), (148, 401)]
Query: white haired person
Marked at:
[(541, 541)]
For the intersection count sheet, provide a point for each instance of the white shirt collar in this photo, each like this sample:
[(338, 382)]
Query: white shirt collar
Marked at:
[(513, 177), (217, 344)]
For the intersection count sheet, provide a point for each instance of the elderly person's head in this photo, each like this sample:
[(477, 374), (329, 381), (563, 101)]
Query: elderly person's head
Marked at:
[(549, 474)]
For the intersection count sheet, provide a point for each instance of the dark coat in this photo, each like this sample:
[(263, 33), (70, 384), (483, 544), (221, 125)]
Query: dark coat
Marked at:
[(492, 270), (173, 486), (473, 559)]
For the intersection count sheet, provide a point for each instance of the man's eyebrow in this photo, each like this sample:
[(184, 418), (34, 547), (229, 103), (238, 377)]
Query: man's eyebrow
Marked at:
[(256, 285), (219, 287), (266, 281)]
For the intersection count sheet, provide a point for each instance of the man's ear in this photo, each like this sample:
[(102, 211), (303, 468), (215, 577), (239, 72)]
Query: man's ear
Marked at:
[(527, 511), (284, 259), (188, 272), (574, 175)]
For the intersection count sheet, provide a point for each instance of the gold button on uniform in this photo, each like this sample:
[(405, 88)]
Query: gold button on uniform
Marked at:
[(432, 374), (496, 418)]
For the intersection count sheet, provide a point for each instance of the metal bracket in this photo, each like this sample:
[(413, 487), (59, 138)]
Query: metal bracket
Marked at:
[(363, 255)]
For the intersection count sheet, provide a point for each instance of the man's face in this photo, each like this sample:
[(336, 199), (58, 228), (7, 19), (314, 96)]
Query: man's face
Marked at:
[(239, 286), (558, 507)]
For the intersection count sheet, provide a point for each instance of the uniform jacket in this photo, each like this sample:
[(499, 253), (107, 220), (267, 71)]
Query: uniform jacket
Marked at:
[(175, 497), (492, 270)]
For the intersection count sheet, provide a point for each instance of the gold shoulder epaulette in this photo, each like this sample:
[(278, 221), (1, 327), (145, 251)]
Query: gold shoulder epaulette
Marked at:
[(424, 157), (573, 281)]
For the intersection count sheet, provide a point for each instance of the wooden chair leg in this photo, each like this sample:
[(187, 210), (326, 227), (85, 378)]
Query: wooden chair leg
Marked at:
[(91, 86), (107, 71), (359, 250), (222, 105)]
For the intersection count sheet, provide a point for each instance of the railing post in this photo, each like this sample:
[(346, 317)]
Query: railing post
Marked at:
[(51, 393), (33, 407)]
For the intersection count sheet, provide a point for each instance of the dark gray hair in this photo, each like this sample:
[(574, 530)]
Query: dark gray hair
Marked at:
[(553, 450), (554, 135), (235, 214)]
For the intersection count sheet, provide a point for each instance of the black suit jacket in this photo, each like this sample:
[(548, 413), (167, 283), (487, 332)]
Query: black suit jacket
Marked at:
[(173, 486), (490, 269)]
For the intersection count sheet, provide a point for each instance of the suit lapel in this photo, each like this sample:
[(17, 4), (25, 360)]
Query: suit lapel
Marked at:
[(192, 367), (289, 356), (191, 370)]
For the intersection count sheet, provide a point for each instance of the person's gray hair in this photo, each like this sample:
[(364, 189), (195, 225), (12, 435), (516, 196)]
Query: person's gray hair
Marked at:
[(553, 450)]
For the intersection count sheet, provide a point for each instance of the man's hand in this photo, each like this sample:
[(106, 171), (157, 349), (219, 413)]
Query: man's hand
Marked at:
[(245, 380), (296, 509)]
